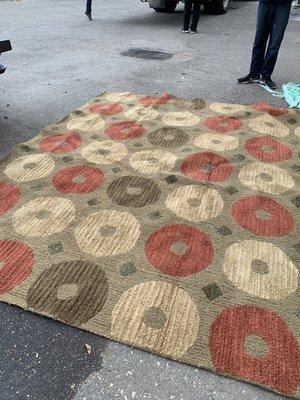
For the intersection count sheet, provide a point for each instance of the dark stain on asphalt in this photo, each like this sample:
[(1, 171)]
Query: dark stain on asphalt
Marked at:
[(42, 359), (147, 54)]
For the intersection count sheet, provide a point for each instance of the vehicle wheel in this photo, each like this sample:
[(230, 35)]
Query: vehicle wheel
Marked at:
[(216, 6), (169, 8)]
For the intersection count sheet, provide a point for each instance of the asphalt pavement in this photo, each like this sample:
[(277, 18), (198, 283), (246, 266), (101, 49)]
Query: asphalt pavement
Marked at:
[(59, 61)]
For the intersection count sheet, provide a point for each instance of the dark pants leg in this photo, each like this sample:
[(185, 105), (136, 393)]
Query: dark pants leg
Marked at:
[(89, 6), (263, 26), (196, 15), (280, 21), (187, 14)]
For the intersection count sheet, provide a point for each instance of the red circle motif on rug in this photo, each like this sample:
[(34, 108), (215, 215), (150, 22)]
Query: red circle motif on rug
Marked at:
[(228, 335), (155, 100), (223, 123), (106, 109), (268, 150), (9, 196), (124, 130), (61, 143), (207, 167), (262, 216), (179, 250), (274, 111), (18, 262), (79, 179)]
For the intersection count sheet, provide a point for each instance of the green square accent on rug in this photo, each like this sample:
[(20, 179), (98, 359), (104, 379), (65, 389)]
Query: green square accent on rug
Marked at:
[(166, 224)]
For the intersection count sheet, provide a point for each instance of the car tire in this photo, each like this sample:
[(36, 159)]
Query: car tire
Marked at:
[(169, 8), (217, 7)]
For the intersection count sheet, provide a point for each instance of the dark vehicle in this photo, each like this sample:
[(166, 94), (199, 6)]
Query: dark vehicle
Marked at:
[(169, 6), (4, 46)]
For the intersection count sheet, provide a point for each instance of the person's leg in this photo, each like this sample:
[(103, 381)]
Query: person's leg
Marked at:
[(196, 15), (187, 14), (261, 38), (89, 7), (280, 21)]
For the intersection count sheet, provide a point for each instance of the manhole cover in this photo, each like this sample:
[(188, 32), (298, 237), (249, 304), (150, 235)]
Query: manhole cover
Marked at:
[(147, 54)]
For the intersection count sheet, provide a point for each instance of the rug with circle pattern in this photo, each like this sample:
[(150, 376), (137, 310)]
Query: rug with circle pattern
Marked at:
[(166, 224)]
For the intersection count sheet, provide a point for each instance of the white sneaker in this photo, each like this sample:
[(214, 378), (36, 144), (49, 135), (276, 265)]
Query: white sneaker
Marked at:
[(185, 31)]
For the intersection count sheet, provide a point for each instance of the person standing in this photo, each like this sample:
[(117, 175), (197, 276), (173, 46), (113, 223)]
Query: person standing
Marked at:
[(272, 20), (88, 11), (191, 9)]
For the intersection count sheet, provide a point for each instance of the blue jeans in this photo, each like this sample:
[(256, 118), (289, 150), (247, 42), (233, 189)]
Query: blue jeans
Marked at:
[(89, 6), (272, 20)]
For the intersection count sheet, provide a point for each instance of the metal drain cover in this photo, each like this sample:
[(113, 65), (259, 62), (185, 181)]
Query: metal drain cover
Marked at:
[(147, 54)]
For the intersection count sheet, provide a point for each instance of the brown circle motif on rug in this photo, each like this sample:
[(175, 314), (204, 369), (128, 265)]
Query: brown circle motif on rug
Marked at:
[(72, 291), (168, 137), (134, 191)]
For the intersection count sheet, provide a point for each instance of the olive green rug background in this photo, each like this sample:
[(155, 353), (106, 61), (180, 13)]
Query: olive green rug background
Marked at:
[(166, 224)]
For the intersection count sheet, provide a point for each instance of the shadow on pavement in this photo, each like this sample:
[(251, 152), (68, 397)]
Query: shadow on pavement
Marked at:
[(42, 359)]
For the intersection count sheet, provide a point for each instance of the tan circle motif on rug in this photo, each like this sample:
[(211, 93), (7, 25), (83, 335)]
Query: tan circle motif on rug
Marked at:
[(181, 118), (43, 216), (297, 131), (216, 142), (157, 316), (268, 125), (266, 178), (140, 114), (107, 233), (195, 203), (106, 152), (125, 97), (87, 123), (260, 269), (224, 108), (29, 168), (153, 161)]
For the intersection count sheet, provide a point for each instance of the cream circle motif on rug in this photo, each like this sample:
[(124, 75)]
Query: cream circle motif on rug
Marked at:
[(260, 269), (268, 125), (297, 131), (181, 118), (216, 142), (87, 123), (195, 203), (266, 178), (107, 233), (140, 114), (153, 161), (156, 315), (29, 168), (43, 216), (106, 152), (125, 97), (227, 108)]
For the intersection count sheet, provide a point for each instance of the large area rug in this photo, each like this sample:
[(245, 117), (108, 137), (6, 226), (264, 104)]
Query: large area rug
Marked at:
[(166, 224)]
